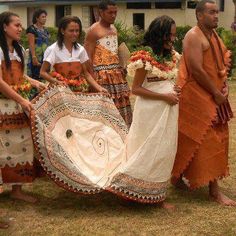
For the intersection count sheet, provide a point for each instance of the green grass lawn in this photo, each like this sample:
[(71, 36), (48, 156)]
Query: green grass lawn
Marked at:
[(62, 213)]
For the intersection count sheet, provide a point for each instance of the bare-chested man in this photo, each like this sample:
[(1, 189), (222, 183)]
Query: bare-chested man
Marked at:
[(102, 47), (202, 156)]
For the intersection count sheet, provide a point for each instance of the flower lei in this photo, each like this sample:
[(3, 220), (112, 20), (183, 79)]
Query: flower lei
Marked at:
[(23, 89), (77, 85), (156, 66)]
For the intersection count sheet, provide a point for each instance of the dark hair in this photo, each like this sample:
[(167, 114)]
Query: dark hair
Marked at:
[(64, 22), (5, 19), (37, 14), (201, 6), (103, 5), (159, 29)]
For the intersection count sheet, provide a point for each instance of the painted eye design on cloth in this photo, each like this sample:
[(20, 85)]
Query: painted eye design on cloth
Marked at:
[(99, 142)]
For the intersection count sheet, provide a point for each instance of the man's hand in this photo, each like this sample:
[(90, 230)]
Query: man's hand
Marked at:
[(225, 90), (219, 98)]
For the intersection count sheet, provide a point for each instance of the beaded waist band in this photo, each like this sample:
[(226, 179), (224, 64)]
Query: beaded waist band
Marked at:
[(106, 67)]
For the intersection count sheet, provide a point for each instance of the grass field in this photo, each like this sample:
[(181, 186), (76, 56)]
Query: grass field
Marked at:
[(62, 213)]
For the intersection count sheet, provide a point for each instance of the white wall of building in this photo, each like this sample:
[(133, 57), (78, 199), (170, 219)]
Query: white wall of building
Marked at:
[(181, 17)]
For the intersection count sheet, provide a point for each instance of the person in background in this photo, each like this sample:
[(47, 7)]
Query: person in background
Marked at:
[(38, 37), (16, 145)]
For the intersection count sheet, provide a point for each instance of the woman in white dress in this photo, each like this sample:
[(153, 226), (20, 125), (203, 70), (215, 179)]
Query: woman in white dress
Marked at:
[(152, 139), (68, 58)]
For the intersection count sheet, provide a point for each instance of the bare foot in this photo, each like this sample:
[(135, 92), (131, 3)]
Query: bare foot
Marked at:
[(222, 199), (167, 206), (18, 194), (3, 225), (217, 196), (24, 197)]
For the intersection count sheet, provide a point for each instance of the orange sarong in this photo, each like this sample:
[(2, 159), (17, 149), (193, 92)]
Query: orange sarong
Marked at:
[(202, 154)]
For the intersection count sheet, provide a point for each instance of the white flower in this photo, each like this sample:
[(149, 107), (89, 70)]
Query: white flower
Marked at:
[(148, 66), (153, 70), (133, 66), (177, 56)]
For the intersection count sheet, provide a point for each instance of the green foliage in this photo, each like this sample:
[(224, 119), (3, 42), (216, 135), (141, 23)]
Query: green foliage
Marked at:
[(24, 40), (53, 34), (180, 33), (229, 39), (134, 37), (131, 36), (53, 37)]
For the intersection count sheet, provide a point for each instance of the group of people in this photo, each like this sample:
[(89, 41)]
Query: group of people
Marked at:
[(179, 125)]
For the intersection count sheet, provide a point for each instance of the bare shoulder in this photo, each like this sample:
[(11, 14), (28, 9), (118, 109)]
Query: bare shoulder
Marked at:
[(193, 35), (196, 38), (114, 28), (92, 33)]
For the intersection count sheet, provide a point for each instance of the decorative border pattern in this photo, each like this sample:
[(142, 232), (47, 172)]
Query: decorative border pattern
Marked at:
[(138, 190), (52, 157)]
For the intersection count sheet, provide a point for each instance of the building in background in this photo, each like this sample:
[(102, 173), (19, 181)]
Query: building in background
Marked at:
[(131, 12)]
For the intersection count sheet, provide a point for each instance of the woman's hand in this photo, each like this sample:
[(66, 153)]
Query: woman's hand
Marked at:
[(35, 61), (38, 85), (171, 98), (26, 105), (102, 90), (59, 82), (177, 89)]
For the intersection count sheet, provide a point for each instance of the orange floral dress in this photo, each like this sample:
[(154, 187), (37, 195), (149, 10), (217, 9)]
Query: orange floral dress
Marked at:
[(16, 146), (68, 65), (110, 75)]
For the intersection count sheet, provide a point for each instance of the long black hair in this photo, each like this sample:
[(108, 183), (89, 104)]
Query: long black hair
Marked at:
[(37, 14), (158, 32), (64, 22), (5, 19)]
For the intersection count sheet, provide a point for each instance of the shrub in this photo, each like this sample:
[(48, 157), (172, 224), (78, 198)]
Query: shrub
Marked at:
[(53, 37), (131, 36), (134, 37), (229, 39), (180, 33)]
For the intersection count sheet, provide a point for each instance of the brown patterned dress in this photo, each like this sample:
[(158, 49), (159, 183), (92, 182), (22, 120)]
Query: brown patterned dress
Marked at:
[(16, 146), (111, 76)]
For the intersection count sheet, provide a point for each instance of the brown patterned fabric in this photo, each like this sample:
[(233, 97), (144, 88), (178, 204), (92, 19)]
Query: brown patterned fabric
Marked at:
[(111, 76), (13, 76), (71, 71), (18, 174), (13, 118), (202, 154)]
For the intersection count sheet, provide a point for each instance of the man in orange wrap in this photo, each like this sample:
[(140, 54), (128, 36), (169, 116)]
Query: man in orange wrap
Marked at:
[(202, 156), (101, 44)]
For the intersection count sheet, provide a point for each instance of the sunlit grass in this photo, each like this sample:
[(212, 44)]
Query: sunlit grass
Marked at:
[(62, 213)]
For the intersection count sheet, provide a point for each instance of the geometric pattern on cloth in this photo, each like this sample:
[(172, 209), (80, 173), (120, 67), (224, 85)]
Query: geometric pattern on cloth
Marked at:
[(138, 190), (59, 123)]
